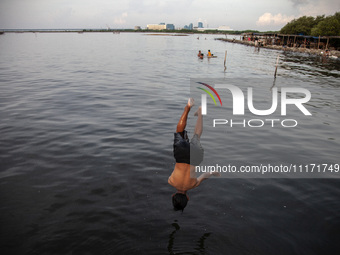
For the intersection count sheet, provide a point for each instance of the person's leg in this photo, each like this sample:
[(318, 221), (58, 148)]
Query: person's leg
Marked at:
[(199, 122), (182, 123)]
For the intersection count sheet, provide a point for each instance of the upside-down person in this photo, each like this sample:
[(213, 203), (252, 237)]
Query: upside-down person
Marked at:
[(183, 178)]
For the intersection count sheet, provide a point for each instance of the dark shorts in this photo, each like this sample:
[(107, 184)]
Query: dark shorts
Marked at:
[(183, 147)]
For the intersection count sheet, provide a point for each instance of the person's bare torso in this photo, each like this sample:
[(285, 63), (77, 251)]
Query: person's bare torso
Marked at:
[(183, 177)]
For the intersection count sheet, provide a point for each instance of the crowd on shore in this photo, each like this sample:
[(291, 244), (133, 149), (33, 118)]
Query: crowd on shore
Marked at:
[(275, 44)]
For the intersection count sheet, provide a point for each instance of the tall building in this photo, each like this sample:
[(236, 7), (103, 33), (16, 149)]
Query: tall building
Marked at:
[(161, 26), (191, 26), (200, 25), (156, 26), (170, 26)]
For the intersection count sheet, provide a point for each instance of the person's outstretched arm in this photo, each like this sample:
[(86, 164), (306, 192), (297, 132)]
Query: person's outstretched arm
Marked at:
[(205, 176)]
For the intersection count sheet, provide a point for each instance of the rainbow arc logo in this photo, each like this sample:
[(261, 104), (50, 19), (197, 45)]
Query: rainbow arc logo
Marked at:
[(204, 96)]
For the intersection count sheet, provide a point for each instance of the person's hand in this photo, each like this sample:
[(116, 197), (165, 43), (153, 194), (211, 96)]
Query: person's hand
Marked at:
[(215, 173)]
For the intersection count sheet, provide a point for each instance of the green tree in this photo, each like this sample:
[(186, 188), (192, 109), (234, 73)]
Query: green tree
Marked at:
[(328, 26), (314, 26), (302, 25)]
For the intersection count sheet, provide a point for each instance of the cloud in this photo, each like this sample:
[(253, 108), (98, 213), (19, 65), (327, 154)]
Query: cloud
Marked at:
[(241, 14), (314, 8), (121, 19), (268, 19), (299, 2)]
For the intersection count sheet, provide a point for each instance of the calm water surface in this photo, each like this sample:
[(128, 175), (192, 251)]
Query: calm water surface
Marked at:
[(87, 124)]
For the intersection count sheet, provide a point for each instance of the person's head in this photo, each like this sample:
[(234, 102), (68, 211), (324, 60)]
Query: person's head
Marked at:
[(208, 50), (179, 201)]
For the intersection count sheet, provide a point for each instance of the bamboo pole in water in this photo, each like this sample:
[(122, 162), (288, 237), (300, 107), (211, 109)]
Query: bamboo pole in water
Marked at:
[(225, 61), (277, 64)]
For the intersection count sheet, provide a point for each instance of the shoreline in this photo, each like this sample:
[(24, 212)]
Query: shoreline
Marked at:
[(101, 30), (319, 52)]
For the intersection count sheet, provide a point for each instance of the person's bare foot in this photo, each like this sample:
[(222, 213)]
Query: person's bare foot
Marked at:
[(191, 102), (199, 111)]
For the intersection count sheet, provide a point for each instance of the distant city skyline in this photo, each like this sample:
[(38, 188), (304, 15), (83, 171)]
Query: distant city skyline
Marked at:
[(260, 15)]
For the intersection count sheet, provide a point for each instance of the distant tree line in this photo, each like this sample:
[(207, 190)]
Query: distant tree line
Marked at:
[(319, 26)]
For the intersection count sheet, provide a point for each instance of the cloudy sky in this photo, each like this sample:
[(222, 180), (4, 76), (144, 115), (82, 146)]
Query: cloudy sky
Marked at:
[(237, 14)]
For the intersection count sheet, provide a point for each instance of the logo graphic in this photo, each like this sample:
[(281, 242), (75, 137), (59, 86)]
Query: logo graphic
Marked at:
[(239, 99), (204, 97)]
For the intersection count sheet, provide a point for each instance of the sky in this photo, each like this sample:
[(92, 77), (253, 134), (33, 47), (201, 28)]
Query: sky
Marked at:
[(262, 15)]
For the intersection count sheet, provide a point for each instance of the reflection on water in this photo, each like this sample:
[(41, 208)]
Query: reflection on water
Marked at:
[(273, 84), (200, 243), (87, 123), (311, 65)]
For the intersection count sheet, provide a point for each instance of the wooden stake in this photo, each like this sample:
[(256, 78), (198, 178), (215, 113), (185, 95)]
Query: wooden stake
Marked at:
[(277, 64), (225, 61)]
